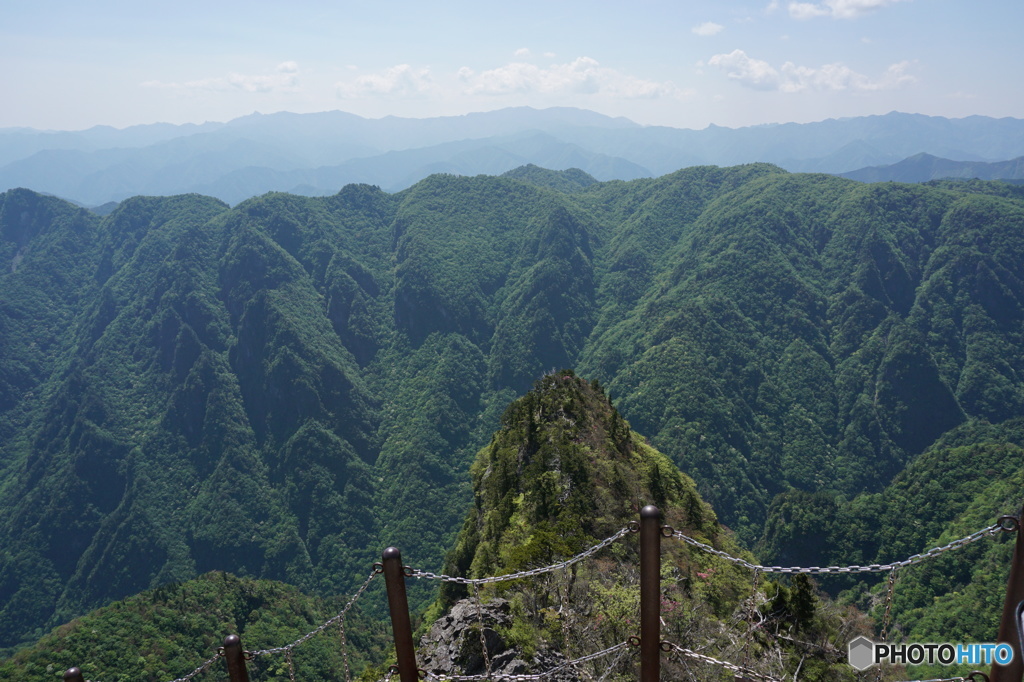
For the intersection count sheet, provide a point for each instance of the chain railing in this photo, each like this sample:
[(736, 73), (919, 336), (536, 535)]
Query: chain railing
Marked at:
[(1004, 524), (731, 667), (973, 677), (323, 626), (533, 572), (622, 646)]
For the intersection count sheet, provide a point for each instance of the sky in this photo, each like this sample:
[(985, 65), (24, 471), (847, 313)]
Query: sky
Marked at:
[(70, 65)]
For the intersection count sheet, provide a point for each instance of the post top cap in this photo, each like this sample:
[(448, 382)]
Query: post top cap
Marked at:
[(650, 511), (391, 553), (232, 640)]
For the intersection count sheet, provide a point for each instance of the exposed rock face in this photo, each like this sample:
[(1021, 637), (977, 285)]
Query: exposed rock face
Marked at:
[(453, 647)]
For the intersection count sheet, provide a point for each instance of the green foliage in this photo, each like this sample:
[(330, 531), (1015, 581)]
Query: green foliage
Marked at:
[(566, 470), (283, 388), (167, 632)]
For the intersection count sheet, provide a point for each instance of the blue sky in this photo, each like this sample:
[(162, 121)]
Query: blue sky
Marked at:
[(683, 63)]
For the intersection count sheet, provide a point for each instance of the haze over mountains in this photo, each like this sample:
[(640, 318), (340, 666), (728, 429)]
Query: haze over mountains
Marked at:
[(316, 154)]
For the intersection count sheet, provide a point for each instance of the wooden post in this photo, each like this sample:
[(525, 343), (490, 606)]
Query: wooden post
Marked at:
[(401, 625), (235, 657), (650, 594), (1014, 671)]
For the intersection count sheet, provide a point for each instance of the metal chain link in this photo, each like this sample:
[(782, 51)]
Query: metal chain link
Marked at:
[(200, 669), (528, 678), (751, 611), (417, 573), (890, 588), (615, 661), (975, 676), (885, 618), (291, 665), (344, 649), (871, 568), (483, 638), (323, 626), (732, 667)]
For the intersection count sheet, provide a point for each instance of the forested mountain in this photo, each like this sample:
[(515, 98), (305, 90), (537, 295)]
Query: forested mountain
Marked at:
[(315, 154), (925, 167), (283, 388), (162, 634)]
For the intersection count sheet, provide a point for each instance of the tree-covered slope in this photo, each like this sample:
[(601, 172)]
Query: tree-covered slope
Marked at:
[(804, 335), (284, 388), (170, 631)]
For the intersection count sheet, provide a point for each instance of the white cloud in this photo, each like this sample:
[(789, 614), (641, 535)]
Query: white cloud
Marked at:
[(285, 78), (807, 10), (754, 73), (837, 9), (401, 80), (790, 77), (708, 28), (522, 52), (580, 76)]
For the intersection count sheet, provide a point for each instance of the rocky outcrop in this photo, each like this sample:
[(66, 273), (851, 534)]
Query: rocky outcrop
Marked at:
[(453, 645)]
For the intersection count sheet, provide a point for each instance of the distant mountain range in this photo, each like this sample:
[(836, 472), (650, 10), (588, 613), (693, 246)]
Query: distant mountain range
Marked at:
[(925, 167), (317, 154)]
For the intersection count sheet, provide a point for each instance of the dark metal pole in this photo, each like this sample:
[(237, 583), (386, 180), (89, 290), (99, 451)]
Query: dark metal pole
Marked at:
[(650, 594), (73, 675), (1014, 671), (398, 603), (235, 657)]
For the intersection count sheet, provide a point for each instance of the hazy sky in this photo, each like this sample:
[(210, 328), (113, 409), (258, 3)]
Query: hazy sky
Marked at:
[(684, 63)]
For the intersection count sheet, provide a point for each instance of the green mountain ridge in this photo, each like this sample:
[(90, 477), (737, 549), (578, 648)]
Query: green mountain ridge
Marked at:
[(282, 388), (924, 167), (173, 629)]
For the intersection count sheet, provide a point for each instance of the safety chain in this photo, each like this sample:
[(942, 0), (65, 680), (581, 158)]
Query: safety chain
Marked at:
[(417, 573), (614, 663), (528, 678), (1005, 524), (732, 667), (203, 667), (483, 637), (889, 590), (975, 676), (751, 613), (323, 626)]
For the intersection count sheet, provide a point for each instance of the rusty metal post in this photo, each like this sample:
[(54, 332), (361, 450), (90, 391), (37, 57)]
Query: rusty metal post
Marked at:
[(1014, 671), (73, 675), (650, 594), (235, 657), (401, 625)]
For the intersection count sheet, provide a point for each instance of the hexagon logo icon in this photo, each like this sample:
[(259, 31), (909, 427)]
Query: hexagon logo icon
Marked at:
[(862, 653)]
